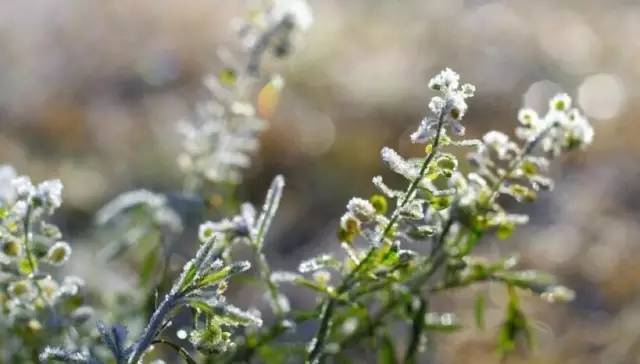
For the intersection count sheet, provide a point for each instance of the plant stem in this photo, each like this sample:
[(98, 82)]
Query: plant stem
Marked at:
[(180, 350), (416, 332), (155, 323), (325, 322), (27, 244)]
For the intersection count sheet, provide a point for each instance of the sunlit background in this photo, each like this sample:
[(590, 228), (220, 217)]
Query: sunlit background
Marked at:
[(91, 92)]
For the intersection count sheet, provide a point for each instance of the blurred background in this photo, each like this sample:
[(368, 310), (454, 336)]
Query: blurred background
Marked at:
[(91, 92)]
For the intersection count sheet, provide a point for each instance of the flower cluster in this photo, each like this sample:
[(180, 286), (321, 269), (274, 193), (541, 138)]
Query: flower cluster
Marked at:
[(33, 304), (450, 211)]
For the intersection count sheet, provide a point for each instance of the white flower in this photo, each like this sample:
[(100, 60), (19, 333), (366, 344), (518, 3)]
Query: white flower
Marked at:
[(528, 117), (22, 290), (457, 105), (23, 187), (59, 253), (560, 102), (207, 231), (50, 194), (437, 104), (468, 90), (499, 142), (361, 209), (426, 130), (445, 80)]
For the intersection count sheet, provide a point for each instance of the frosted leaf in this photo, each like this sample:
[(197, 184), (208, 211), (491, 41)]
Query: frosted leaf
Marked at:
[(316, 263), (398, 164), (285, 277), (558, 294), (386, 190), (271, 203)]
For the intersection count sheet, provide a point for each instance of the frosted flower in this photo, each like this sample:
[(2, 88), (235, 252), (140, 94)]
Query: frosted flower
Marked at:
[(207, 231), (49, 288), (23, 187), (426, 131), (445, 80), (58, 254), (22, 290), (468, 90), (50, 194), (11, 247), (499, 142), (528, 117), (361, 209), (579, 130), (458, 106), (437, 104), (560, 102), (70, 286)]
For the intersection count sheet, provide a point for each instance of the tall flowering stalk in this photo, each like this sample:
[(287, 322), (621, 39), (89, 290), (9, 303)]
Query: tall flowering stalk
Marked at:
[(224, 131)]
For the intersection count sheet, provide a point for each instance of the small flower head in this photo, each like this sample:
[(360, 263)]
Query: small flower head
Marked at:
[(528, 117), (560, 102), (361, 209), (50, 194), (58, 253), (207, 231), (22, 290), (11, 248), (23, 187), (445, 80)]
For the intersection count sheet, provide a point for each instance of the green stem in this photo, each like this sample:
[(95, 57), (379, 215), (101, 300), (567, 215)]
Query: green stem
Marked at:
[(416, 332), (325, 322), (180, 350), (27, 244)]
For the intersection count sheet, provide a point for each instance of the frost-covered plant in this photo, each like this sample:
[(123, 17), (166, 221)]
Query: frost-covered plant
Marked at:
[(402, 246), (217, 143), (405, 246), (35, 308), (224, 130)]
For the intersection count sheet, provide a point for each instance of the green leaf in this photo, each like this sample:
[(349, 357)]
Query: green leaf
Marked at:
[(515, 325), (271, 203)]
